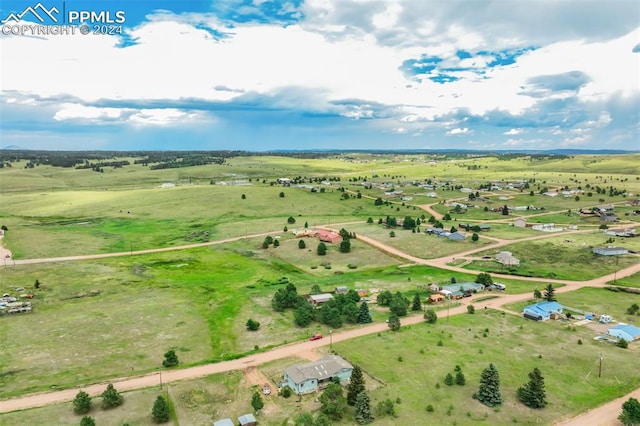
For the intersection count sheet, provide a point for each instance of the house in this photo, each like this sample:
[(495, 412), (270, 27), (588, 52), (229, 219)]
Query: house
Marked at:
[(329, 236), (610, 251), (507, 259), (461, 287), (224, 422), (284, 181), (608, 217), (435, 298), (247, 420), (456, 236), (341, 290), (310, 377), (542, 311), (319, 299), (627, 332), (547, 227), (434, 288), (634, 202), (520, 223)]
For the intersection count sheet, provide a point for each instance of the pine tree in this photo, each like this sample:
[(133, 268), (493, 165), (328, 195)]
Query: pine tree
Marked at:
[(550, 293), (460, 380), (417, 303), (111, 397), (532, 394), (82, 403), (256, 401), (356, 385), (364, 317), (160, 410), (334, 404), (87, 421), (170, 359), (448, 380), (363, 408), (630, 412), (430, 316), (489, 392)]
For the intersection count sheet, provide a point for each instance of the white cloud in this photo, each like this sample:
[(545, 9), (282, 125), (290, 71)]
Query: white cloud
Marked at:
[(77, 111), (513, 132), (458, 131)]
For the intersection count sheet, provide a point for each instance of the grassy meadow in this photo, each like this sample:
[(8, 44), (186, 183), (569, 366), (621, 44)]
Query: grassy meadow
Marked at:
[(98, 319)]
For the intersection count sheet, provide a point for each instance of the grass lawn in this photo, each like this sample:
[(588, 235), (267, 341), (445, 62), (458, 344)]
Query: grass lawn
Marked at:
[(136, 411)]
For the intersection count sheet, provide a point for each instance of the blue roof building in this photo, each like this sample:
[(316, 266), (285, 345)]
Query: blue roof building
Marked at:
[(542, 311), (625, 331)]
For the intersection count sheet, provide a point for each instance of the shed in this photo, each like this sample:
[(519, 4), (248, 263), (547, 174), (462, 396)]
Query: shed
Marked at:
[(341, 289), (520, 223), (224, 422), (456, 236), (507, 259), (319, 299), (625, 331), (247, 420), (610, 251)]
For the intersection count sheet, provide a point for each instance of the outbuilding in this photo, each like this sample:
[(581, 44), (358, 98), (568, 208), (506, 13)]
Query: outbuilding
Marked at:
[(543, 311), (247, 420), (627, 332)]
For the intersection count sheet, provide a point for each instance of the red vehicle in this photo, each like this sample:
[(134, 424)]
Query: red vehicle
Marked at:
[(316, 336)]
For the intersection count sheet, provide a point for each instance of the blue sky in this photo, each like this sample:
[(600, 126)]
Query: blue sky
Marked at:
[(325, 74)]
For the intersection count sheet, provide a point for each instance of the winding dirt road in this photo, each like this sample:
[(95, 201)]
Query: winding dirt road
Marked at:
[(604, 415)]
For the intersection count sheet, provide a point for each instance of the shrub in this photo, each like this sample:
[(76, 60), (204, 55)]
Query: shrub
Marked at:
[(286, 392), (430, 408)]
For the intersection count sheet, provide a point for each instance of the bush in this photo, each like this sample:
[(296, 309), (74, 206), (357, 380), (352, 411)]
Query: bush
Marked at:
[(160, 410), (82, 403), (471, 309), (286, 392), (170, 359), (111, 398), (430, 408), (622, 343)]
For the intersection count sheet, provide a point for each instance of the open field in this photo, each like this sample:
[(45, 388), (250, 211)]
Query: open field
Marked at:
[(98, 319), (398, 361), (558, 256)]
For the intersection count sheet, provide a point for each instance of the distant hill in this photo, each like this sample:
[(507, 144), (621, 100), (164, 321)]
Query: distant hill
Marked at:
[(15, 148)]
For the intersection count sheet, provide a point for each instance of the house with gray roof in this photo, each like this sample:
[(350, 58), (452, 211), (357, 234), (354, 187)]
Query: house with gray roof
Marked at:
[(313, 376)]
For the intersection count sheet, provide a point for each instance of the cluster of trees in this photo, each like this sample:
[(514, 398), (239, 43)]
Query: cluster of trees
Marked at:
[(111, 398), (532, 394), (549, 294), (334, 313), (268, 240)]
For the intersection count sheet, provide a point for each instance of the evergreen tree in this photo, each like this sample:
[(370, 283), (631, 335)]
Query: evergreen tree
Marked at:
[(417, 303), (87, 421), (356, 385), (532, 394), (82, 403), (399, 304), (345, 246), (302, 244), (550, 293), (460, 379), (363, 408), (630, 415), (394, 322), (322, 249), (256, 402), (303, 315), (160, 410), (170, 359), (364, 317), (475, 237), (111, 397), (489, 392), (505, 210), (334, 404), (448, 380)]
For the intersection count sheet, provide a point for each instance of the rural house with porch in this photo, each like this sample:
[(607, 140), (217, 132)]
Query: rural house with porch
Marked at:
[(313, 376)]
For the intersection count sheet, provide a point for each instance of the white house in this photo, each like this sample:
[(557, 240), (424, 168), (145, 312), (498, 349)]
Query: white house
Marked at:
[(307, 378)]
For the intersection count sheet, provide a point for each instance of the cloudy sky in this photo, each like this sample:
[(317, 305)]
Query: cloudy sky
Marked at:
[(322, 74)]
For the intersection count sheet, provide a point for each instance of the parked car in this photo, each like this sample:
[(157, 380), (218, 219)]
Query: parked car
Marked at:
[(316, 336)]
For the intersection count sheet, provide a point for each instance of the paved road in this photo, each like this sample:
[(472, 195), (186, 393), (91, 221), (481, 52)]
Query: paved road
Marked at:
[(606, 413)]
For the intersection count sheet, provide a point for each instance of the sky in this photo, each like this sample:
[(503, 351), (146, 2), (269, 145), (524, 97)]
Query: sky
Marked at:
[(261, 75)]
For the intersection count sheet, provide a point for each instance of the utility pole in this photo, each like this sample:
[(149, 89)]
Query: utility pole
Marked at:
[(600, 367), (160, 373), (331, 340)]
